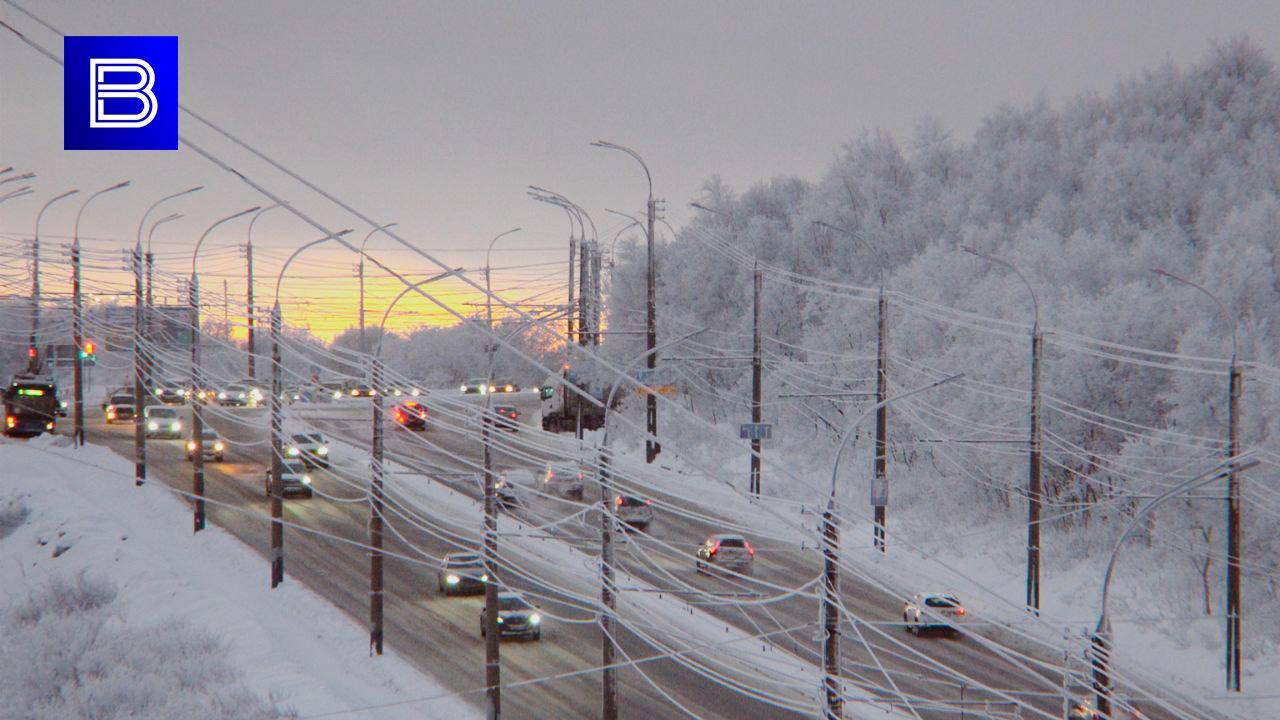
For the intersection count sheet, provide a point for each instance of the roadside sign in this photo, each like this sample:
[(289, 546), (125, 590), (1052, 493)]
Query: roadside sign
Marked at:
[(755, 431)]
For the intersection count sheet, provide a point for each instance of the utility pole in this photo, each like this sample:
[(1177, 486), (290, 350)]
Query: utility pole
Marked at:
[(375, 516), (882, 422), (151, 309), (249, 310), (651, 445), (492, 660), (831, 613), (226, 309), (1233, 531), (139, 392), (277, 447), (197, 419), (608, 599), (33, 348), (77, 332), (597, 304), (584, 275), (756, 365), (573, 248), (77, 319), (1033, 480)]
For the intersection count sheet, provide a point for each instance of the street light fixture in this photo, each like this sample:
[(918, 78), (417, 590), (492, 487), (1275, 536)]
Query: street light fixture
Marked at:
[(77, 319), (1235, 526), (1033, 442)]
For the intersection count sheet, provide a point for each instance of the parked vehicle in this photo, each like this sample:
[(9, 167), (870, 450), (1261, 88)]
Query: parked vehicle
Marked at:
[(932, 611), (30, 405), (516, 618), (722, 550), (162, 422), (461, 573)]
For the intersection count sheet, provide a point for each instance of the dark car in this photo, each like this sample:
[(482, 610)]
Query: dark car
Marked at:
[(461, 573), (503, 386), (411, 415), (295, 479), (120, 408), (516, 618), (505, 417), (171, 393)]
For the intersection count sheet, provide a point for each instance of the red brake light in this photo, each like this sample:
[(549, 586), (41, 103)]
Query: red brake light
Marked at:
[(619, 501), (960, 611), (714, 547), (749, 548)]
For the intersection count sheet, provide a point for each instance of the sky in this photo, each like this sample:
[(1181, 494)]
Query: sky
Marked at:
[(438, 116)]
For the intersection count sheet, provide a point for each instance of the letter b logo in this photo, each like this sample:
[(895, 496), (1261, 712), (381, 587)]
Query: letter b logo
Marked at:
[(120, 93)]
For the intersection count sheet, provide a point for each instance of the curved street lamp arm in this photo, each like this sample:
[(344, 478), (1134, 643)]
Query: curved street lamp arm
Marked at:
[(284, 268), (196, 252), (254, 219), (167, 218), (1221, 307), (20, 192), (373, 232), (882, 258), (633, 361), (382, 326), (614, 146), (52, 200), (494, 240), (1214, 473), (853, 426), (23, 176), (142, 222), (1035, 302), (85, 204)]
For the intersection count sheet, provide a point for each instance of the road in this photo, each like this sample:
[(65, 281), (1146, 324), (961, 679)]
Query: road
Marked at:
[(441, 635)]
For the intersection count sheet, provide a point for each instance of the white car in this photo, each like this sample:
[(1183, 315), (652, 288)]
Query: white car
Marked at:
[(309, 447), (633, 511), (933, 611), (563, 479)]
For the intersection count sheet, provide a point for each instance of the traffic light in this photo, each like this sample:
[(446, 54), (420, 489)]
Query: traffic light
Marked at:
[(87, 350)]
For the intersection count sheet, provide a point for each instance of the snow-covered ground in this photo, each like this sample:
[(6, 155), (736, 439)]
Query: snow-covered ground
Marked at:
[(291, 648)]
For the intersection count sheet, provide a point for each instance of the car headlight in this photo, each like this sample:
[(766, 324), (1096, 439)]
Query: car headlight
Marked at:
[(191, 444), (176, 426), (463, 388), (153, 425), (48, 426), (336, 394), (62, 404), (240, 395), (157, 391), (322, 450), (499, 619), (484, 577), (535, 619), (354, 392), (222, 396), (452, 579), (414, 392), (293, 452), (306, 479)]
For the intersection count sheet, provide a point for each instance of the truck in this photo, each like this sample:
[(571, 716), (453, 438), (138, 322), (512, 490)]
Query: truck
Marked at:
[(562, 408), (30, 405)]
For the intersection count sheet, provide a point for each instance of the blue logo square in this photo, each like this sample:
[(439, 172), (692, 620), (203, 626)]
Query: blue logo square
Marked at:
[(120, 92)]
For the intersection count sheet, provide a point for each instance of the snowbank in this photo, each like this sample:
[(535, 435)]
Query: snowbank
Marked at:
[(71, 517)]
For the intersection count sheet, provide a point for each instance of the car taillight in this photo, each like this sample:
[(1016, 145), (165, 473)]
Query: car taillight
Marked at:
[(10, 421), (960, 611), (714, 547), (619, 501), (749, 548)]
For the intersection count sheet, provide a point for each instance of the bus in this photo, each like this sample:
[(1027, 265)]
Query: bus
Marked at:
[(30, 405)]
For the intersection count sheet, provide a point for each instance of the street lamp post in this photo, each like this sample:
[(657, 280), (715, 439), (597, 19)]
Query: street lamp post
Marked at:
[(831, 563), (33, 347), (251, 315), (1101, 640), (652, 447), (277, 418), (150, 303), (880, 494), (608, 591), (77, 320), (1033, 442), (377, 472), (1234, 490), (197, 417)]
